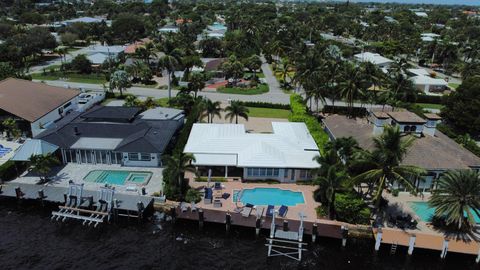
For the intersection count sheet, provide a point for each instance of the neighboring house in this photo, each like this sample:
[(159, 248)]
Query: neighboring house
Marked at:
[(132, 48), (83, 20), (429, 37), (421, 14), (98, 54), (169, 29), (115, 135), (35, 106), (431, 150), (216, 30), (286, 155), (424, 82), (374, 58)]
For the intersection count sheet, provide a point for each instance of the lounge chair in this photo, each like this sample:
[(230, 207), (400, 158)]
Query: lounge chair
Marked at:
[(183, 207), (193, 207), (270, 211), (217, 203), (208, 196), (259, 211), (247, 210), (282, 211)]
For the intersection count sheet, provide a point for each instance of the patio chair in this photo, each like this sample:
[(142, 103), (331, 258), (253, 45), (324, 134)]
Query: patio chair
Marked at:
[(183, 207), (193, 207), (208, 196), (247, 210), (259, 211), (217, 203), (217, 186), (282, 211), (225, 196), (270, 210)]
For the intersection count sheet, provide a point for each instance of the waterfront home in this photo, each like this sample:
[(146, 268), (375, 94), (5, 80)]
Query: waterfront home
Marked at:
[(374, 58), (285, 155), (98, 54), (115, 135), (432, 150), (35, 106), (168, 29), (429, 37)]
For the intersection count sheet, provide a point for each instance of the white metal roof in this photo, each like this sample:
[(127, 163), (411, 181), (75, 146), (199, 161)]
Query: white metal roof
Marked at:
[(289, 146), (419, 71), (96, 143), (373, 58), (426, 80), (33, 147)]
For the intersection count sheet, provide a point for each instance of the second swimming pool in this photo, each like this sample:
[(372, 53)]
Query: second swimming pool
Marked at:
[(118, 177), (425, 212), (269, 196)]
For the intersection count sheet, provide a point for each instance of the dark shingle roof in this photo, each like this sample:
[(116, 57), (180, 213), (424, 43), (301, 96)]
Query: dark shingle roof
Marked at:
[(112, 113), (137, 136), (429, 152)]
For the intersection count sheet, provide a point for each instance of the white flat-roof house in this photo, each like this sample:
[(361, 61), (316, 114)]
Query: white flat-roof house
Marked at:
[(428, 84), (286, 155), (374, 58)]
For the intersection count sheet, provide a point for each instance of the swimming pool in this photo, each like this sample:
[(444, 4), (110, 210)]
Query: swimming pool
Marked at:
[(118, 177), (267, 196), (425, 212)]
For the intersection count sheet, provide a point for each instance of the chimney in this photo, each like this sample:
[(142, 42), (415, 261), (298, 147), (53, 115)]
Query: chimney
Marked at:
[(75, 130), (431, 126), (380, 119)]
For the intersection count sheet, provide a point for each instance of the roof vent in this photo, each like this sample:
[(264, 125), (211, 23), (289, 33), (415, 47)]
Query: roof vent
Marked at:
[(75, 130)]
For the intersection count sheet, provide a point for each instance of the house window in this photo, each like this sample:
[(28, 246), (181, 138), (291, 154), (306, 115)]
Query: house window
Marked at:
[(133, 156), (305, 174), (145, 157), (263, 172)]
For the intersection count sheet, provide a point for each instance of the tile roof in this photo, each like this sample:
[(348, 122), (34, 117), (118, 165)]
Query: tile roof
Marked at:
[(31, 100), (429, 152), (406, 117)]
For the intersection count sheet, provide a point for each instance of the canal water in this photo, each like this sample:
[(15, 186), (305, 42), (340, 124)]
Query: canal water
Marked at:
[(29, 240)]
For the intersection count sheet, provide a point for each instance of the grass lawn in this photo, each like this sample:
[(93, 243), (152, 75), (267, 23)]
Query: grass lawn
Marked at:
[(454, 85), (259, 74), (430, 106), (71, 77), (268, 112), (162, 102), (262, 88)]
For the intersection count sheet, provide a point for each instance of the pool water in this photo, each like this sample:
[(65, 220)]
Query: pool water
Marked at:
[(117, 177), (269, 196), (425, 212)]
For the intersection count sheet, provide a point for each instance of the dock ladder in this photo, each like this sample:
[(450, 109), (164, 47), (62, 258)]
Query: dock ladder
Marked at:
[(393, 248)]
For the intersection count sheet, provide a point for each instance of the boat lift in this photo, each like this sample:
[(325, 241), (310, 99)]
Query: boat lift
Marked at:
[(78, 207), (283, 242)]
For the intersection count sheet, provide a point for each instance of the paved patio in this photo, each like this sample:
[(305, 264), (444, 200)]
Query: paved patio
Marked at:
[(77, 172)]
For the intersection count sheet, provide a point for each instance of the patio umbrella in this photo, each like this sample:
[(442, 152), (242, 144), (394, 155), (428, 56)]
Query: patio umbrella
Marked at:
[(33, 147), (209, 177)]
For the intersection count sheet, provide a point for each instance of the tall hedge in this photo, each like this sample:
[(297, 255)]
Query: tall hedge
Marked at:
[(300, 114)]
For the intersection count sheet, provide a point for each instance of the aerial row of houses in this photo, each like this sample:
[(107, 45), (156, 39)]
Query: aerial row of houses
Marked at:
[(128, 136), (423, 80)]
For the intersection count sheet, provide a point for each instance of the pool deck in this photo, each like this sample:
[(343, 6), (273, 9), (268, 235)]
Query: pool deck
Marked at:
[(426, 235), (77, 172), (327, 228)]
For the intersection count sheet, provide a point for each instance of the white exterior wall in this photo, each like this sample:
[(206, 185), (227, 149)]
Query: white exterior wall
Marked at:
[(154, 161), (419, 127), (51, 117)]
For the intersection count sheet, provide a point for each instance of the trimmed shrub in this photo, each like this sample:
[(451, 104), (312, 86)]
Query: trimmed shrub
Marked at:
[(261, 104), (352, 209), (299, 114), (429, 99), (193, 195), (356, 111)]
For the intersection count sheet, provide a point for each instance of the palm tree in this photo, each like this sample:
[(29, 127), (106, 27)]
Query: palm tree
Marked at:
[(175, 166), (42, 164), (332, 182), (119, 80), (385, 163), (196, 82), (236, 109), (457, 195), (212, 109), (10, 125), (351, 86), (169, 63)]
